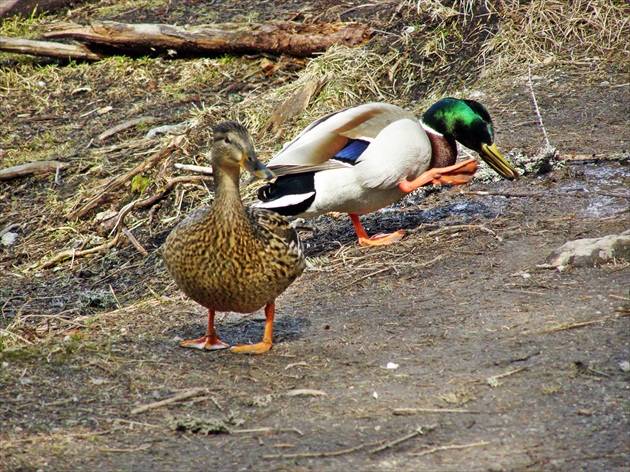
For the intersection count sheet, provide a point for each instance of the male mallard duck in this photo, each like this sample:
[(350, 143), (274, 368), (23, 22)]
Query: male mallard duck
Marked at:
[(364, 158), (229, 257)]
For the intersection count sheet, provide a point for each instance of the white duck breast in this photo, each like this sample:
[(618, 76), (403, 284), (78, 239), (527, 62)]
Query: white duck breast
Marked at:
[(400, 151)]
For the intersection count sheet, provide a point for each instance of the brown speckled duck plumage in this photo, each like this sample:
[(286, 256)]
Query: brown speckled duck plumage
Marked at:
[(229, 257)]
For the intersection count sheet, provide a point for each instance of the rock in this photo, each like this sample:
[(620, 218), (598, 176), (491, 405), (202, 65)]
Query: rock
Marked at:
[(592, 252), (8, 239), (625, 366)]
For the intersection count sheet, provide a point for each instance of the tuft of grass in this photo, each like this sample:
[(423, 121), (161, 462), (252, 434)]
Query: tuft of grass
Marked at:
[(543, 32)]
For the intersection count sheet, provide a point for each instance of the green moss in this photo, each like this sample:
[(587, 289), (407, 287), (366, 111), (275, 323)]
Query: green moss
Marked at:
[(139, 184)]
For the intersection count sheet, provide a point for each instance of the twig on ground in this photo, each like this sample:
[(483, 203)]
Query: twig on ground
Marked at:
[(135, 242), (180, 396), (412, 411), (305, 392), (24, 170), (446, 448), (360, 279), (479, 227), (192, 168), (72, 253), (540, 120), (318, 454), (420, 431), (266, 430), (143, 447), (126, 125), (567, 326), (501, 194), (111, 289)]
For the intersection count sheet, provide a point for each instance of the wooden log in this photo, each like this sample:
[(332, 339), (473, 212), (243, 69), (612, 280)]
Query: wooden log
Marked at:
[(24, 170), (78, 52), (277, 37)]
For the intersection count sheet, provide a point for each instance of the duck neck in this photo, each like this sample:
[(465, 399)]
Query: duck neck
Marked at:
[(227, 197), (443, 150)]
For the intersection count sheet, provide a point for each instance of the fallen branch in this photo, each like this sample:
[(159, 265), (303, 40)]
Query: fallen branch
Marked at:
[(180, 396), (72, 253), (316, 454), (276, 37), (420, 431), (446, 448), (77, 52), (24, 170)]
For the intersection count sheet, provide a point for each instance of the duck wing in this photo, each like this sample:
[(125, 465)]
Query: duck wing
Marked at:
[(336, 140)]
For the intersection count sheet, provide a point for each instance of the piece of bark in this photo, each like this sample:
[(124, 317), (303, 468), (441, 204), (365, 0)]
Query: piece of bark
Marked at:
[(294, 105), (78, 52), (276, 37), (24, 170)]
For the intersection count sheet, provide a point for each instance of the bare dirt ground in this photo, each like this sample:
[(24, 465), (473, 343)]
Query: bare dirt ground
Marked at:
[(502, 364)]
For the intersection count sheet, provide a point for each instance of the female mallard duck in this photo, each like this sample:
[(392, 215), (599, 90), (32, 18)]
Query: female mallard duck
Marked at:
[(229, 257), (367, 157)]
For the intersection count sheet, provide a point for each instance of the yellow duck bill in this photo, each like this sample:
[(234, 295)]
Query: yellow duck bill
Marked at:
[(494, 158)]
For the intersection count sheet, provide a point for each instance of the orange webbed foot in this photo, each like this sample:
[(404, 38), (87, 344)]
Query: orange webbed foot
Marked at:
[(382, 239), (258, 348), (209, 343)]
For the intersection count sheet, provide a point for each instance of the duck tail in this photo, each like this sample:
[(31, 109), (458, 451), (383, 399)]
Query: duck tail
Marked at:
[(289, 195)]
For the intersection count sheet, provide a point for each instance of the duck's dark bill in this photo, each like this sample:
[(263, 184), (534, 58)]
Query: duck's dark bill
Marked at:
[(495, 159), (256, 168)]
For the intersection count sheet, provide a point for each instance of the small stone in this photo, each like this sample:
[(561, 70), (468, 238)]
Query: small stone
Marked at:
[(391, 365), (8, 239), (625, 366)]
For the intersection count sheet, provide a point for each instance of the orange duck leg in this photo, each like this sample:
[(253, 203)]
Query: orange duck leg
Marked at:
[(267, 341), (376, 240), (210, 341)]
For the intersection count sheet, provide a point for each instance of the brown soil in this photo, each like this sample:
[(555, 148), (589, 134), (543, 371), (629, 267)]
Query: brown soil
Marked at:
[(502, 364)]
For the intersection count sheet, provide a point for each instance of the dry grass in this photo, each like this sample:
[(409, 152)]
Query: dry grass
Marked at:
[(585, 32)]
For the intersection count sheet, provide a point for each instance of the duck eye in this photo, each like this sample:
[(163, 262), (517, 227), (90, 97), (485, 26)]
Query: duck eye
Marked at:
[(226, 140)]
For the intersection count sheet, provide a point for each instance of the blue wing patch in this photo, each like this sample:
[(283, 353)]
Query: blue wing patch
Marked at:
[(352, 151)]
